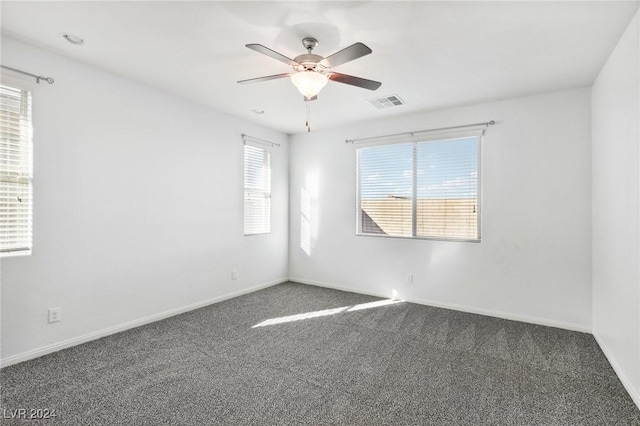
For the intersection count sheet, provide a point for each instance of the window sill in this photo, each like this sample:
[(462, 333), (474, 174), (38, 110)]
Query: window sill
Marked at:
[(15, 254)]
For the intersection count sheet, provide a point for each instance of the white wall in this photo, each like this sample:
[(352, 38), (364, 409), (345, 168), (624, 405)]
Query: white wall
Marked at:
[(533, 263), (616, 208), (138, 208)]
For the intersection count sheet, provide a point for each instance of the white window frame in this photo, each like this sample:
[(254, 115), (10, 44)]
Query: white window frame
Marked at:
[(415, 140), (17, 179), (262, 193)]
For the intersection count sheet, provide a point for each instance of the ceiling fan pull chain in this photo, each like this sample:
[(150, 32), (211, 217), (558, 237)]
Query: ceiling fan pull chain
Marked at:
[(308, 118)]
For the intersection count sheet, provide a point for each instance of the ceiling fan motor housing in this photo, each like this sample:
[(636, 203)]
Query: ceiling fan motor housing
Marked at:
[(308, 62)]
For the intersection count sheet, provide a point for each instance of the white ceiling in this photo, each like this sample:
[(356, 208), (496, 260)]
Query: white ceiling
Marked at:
[(432, 54)]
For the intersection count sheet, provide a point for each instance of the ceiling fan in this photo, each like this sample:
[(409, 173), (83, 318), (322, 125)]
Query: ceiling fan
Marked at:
[(312, 72)]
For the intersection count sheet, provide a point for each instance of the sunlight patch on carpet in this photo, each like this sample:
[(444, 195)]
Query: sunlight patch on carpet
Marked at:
[(327, 312)]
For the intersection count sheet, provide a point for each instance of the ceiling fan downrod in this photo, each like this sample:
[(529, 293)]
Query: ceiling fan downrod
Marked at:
[(309, 43)]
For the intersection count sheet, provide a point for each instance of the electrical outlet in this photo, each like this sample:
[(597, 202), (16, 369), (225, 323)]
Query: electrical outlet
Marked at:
[(410, 278), (55, 314), (234, 274)]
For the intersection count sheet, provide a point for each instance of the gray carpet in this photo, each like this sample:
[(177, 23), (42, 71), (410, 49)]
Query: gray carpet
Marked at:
[(399, 364)]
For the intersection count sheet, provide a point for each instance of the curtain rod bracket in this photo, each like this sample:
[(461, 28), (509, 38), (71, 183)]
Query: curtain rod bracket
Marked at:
[(47, 79)]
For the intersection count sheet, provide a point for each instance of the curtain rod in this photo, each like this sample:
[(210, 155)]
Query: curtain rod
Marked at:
[(37, 77), (260, 140), (486, 124)]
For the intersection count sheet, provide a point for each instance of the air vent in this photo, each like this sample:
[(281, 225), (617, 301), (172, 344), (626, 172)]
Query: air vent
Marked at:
[(386, 102)]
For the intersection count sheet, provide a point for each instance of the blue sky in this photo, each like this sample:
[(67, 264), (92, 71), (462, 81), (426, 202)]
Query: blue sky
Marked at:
[(445, 169)]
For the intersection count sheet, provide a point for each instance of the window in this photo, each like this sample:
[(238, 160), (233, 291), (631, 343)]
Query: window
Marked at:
[(257, 190), (424, 188), (16, 171)]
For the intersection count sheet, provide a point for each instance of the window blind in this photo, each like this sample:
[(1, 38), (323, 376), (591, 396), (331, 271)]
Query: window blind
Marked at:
[(421, 189), (16, 171), (257, 190)]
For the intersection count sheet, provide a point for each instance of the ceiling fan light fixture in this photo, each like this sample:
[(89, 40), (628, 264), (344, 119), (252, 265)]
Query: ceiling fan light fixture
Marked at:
[(309, 83)]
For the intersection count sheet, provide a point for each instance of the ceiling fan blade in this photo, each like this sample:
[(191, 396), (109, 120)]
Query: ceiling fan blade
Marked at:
[(347, 54), (266, 78), (271, 53), (355, 81)]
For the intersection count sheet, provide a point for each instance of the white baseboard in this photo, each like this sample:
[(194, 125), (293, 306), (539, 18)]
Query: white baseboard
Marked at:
[(472, 310), (633, 393), (35, 353)]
